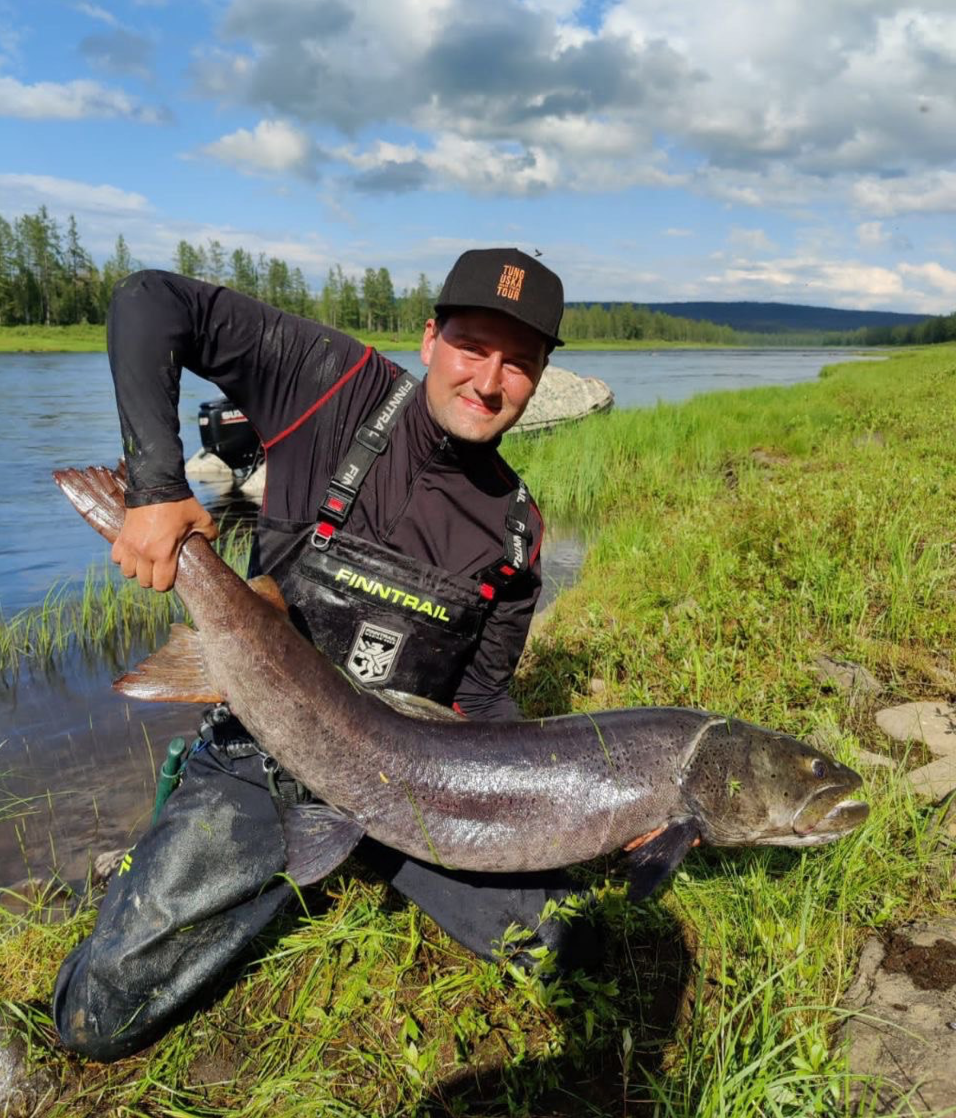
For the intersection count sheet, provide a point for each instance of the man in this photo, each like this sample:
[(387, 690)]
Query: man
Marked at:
[(372, 480)]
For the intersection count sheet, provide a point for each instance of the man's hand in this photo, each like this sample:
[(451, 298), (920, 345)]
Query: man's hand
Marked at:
[(147, 548)]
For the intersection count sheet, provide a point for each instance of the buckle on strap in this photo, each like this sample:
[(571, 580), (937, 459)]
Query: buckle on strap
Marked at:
[(338, 503), (513, 524), (372, 440), (322, 535)]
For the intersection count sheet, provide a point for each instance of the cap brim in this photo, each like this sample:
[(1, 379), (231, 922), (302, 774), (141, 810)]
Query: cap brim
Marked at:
[(549, 338)]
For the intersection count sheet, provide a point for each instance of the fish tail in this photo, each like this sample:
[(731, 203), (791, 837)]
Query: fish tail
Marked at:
[(97, 494)]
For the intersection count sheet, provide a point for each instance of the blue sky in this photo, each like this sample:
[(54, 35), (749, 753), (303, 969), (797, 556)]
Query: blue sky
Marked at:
[(788, 150)]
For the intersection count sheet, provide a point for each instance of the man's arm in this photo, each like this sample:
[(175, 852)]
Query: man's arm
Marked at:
[(270, 364)]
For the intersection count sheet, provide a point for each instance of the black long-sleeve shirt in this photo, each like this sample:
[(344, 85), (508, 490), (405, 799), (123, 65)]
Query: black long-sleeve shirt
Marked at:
[(306, 389)]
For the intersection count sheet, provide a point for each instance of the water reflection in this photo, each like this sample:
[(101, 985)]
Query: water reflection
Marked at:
[(77, 766)]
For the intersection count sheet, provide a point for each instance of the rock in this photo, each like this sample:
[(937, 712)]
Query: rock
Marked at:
[(933, 723), (901, 1030), (875, 760), (21, 1090), (206, 466), (936, 780), (105, 864), (845, 675), (598, 686), (562, 396)]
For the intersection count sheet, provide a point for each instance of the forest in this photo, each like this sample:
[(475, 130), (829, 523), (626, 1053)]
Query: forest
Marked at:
[(48, 278)]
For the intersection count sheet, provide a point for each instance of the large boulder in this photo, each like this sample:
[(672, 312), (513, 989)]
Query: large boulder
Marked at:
[(562, 396)]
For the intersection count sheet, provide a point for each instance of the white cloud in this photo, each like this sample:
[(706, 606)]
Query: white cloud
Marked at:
[(597, 104), (272, 147), (677, 232), (75, 100), (929, 192), (756, 240), (924, 288), (19, 193), (94, 11), (871, 234), (936, 276)]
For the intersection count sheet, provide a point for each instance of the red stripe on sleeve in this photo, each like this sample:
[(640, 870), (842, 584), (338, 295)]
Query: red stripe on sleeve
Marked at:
[(344, 379)]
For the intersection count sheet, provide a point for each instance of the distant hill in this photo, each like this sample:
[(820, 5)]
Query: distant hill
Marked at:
[(773, 318)]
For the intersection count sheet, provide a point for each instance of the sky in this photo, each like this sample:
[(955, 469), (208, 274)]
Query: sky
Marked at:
[(651, 150)]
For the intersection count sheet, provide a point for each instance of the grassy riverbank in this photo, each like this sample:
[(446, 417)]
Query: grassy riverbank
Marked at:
[(53, 339), (737, 536), (92, 339)]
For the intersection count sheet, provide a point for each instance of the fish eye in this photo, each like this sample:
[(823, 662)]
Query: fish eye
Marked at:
[(819, 768)]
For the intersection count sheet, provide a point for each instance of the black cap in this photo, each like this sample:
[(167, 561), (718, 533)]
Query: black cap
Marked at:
[(506, 280)]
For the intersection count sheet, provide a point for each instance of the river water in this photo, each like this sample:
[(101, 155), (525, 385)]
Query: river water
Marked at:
[(82, 761), (59, 411)]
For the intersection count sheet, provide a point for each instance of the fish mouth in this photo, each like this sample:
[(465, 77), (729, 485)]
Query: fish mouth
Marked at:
[(827, 816)]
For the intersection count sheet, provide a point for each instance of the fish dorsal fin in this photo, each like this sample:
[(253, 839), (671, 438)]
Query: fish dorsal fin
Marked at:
[(414, 706), (268, 589), (176, 673)]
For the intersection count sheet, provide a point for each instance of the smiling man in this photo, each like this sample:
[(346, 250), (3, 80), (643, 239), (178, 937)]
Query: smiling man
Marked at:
[(405, 547)]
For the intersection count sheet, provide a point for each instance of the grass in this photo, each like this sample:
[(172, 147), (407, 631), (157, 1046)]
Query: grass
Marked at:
[(101, 616), (92, 339), (733, 539), (53, 339)]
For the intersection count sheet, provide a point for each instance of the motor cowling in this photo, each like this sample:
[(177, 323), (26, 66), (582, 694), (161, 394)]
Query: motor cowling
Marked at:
[(226, 432)]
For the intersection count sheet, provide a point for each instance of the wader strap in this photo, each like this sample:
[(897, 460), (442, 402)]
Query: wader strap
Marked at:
[(516, 558), (369, 442)]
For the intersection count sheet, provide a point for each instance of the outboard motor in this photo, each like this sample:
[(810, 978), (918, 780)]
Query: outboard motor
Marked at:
[(227, 433)]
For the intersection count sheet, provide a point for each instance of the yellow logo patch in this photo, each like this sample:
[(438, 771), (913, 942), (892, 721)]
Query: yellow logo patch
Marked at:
[(510, 282), (393, 594)]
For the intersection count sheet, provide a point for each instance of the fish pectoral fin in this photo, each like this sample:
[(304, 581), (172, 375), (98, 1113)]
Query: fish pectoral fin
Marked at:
[(268, 589), (174, 674), (655, 858), (317, 839)]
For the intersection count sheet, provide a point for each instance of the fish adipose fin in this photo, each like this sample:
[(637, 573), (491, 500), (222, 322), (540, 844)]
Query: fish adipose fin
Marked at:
[(174, 674), (654, 858), (317, 839)]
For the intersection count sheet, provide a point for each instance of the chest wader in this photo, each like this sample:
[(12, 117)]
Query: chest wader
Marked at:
[(390, 620)]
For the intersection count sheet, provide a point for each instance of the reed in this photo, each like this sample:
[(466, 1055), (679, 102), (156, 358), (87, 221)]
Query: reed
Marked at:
[(103, 613)]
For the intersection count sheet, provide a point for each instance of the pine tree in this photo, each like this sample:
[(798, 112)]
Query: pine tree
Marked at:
[(242, 273), (215, 262)]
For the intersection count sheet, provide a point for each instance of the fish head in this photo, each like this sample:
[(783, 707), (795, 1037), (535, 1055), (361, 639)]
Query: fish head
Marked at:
[(755, 787)]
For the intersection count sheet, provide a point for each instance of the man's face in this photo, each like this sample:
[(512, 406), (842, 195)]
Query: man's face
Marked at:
[(483, 368)]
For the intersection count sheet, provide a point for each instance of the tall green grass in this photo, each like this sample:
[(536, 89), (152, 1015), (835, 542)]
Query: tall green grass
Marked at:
[(733, 539), (102, 613)]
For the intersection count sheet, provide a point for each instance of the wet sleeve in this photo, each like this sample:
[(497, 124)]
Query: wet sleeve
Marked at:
[(483, 691), (271, 364)]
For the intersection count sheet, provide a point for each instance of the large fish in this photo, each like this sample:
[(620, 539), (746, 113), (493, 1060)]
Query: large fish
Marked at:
[(471, 795)]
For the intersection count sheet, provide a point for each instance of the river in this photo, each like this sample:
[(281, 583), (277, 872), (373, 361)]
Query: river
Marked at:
[(80, 760), (59, 412)]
